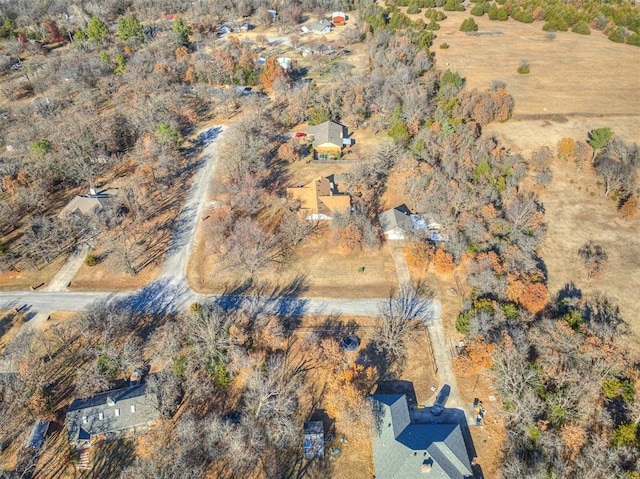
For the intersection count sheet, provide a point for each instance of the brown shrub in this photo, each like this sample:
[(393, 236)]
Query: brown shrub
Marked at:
[(444, 262), (629, 208), (418, 255)]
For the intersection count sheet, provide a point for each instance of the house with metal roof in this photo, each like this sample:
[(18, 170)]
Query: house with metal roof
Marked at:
[(111, 413), (403, 449), (328, 139)]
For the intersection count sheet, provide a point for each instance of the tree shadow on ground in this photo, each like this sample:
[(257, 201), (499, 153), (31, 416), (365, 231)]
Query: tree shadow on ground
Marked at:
[(163, 296), (333, 326), (398, 386), (388, 368), (278, 299), (110, 458)]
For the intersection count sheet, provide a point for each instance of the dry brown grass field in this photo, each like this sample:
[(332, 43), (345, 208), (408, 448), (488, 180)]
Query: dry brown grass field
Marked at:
[(577, 212), (328, 272), (571, 74)]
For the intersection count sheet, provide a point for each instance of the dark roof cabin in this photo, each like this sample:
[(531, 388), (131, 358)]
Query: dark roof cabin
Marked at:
[(110, 413)]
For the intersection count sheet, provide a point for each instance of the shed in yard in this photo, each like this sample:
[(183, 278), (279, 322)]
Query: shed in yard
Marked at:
[(38, 432), (313, 444), (338, 19)]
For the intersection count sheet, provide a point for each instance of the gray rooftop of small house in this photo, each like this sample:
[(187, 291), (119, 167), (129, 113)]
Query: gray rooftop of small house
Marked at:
[(398, 217), (146, 411), (401, 447), (327, 132), (318, 25), (89, 204)]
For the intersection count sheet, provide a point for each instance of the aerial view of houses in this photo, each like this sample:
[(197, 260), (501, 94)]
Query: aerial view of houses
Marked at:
[(374, 239)]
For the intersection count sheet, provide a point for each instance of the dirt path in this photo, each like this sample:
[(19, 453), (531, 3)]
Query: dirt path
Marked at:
[(65, 274), (402, 268), (439, 346)]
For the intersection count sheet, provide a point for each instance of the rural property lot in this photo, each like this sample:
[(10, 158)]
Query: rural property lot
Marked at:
[(577, 212), (585, 79), (577, 83)]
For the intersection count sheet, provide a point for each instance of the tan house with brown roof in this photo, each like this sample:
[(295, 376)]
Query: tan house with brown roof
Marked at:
[(320, 199)]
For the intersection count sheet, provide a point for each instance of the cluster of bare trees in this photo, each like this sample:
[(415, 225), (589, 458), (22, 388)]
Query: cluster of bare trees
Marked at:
[(230, 428), (577, 396), (100, 110)]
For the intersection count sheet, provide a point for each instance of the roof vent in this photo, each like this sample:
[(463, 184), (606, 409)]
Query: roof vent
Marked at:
[(111, 401)]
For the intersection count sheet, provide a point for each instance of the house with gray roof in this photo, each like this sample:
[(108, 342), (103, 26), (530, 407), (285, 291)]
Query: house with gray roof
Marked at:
[(403, 449), (87, 205), (111, 413), (398, 221), (321, 27), (328, 139)]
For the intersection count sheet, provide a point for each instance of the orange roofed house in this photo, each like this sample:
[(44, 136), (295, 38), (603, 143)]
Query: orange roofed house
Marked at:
[(320, 199)]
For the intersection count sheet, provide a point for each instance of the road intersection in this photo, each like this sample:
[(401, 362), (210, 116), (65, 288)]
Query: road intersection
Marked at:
[(171, 293)]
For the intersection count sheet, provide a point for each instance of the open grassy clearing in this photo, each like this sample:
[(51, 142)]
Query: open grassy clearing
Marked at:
[(569, 91), (571, 74), (577, 212), (327, 272)]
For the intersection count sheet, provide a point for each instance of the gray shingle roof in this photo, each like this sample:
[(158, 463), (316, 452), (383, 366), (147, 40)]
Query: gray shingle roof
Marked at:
[(327, 132), (398, 217), (126, 408), (402, 448)]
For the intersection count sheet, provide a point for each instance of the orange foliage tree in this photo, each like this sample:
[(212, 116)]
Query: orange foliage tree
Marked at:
[(270, 71), (531, 295), (478, 355), (350, 238), (347, 386), (419, 255), (629, 208), (566, 149), (444, 262)]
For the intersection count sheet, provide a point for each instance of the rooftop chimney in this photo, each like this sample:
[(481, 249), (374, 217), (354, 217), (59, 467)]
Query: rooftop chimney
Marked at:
[(93, 192), (111, 401), (426, 466)]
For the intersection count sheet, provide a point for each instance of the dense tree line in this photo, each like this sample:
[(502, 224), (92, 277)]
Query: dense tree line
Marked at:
[(619, 20)]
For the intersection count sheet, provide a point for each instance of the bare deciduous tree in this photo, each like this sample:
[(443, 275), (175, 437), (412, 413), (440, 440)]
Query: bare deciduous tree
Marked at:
[(594, 258), (398, 315)]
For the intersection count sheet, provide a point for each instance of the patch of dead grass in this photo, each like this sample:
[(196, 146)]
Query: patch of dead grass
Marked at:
[(576, 212)]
